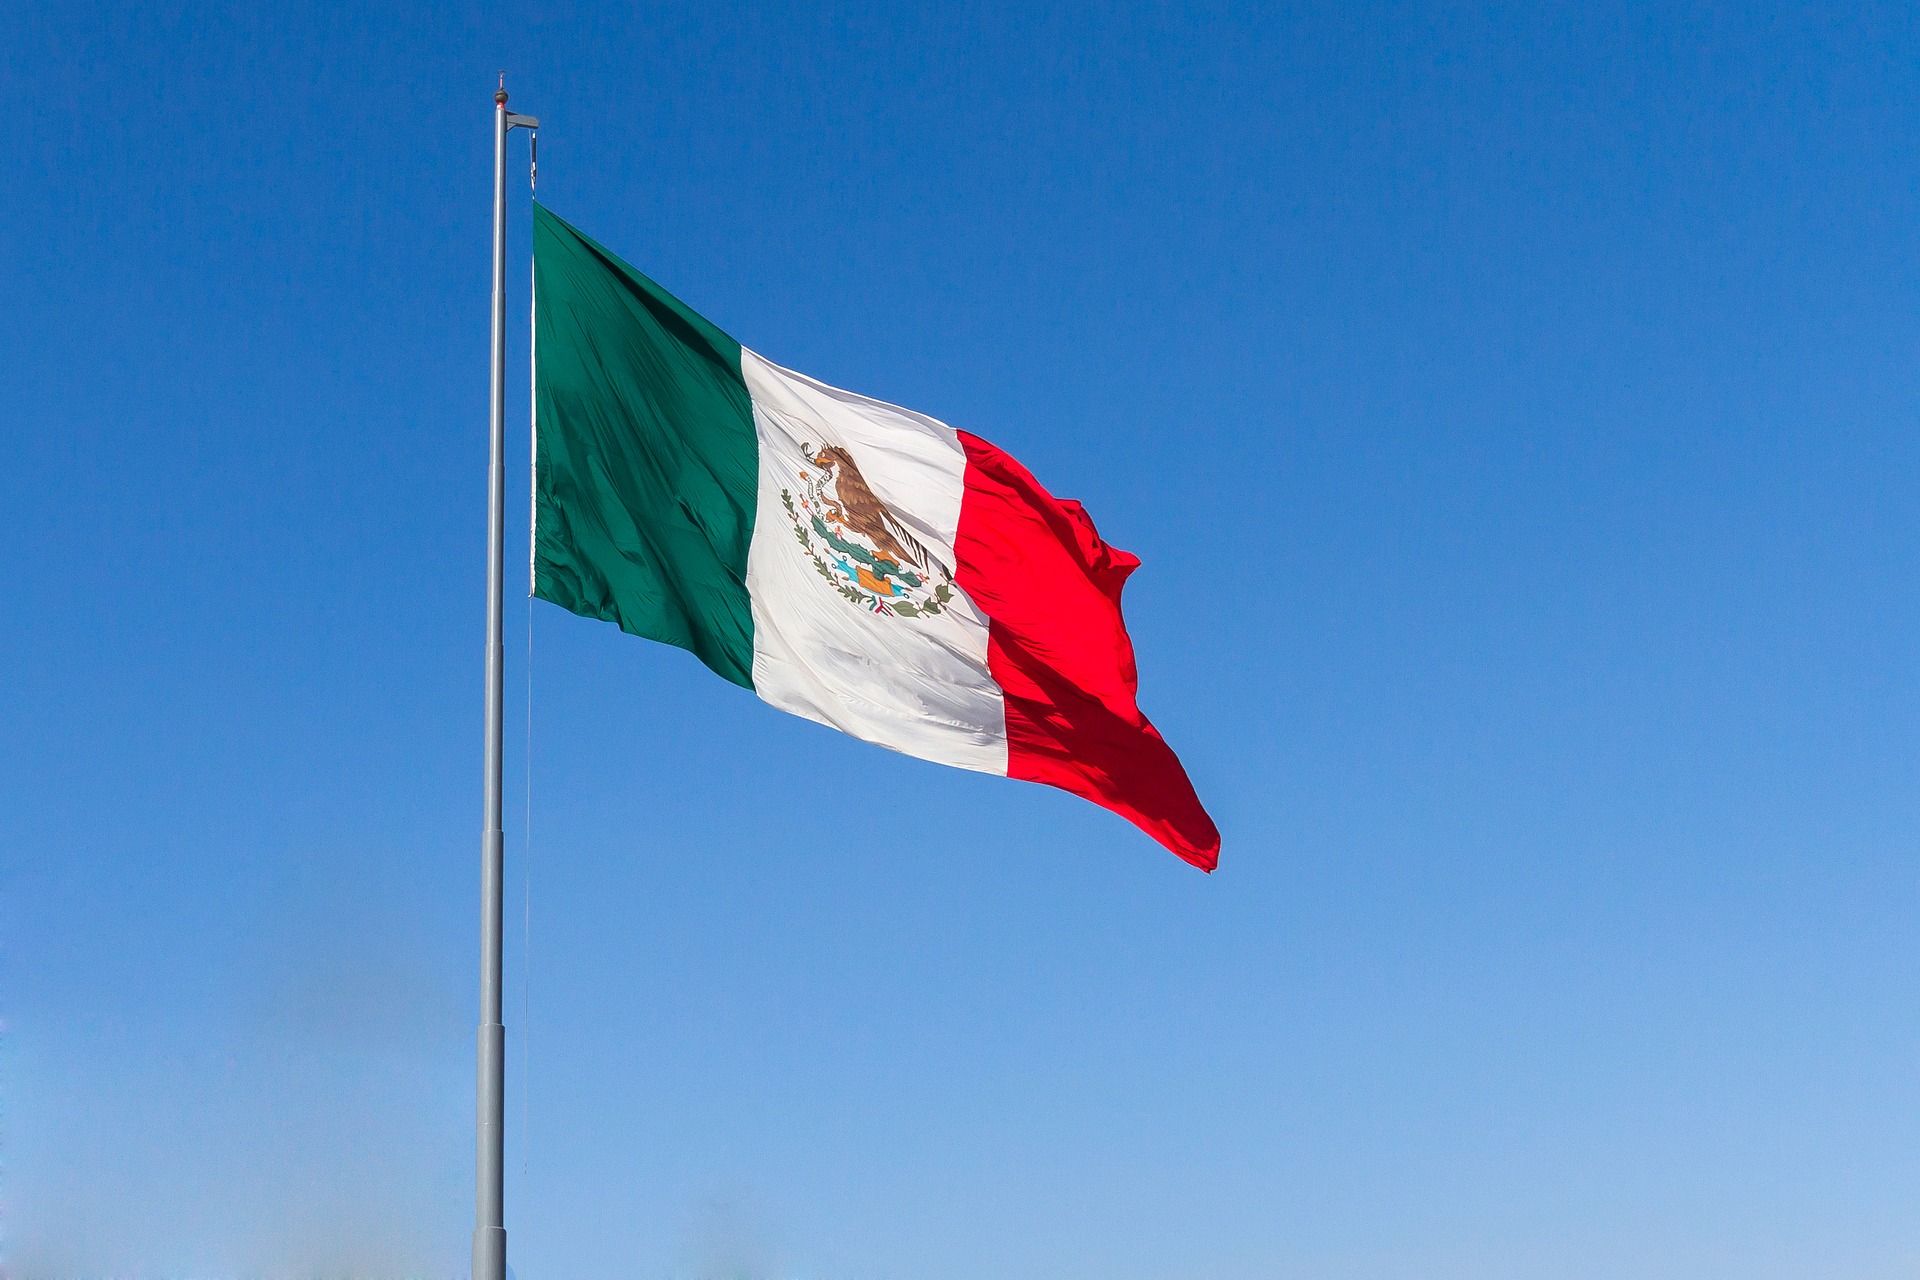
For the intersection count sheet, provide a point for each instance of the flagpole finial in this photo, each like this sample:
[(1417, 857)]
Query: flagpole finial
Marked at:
[(500, 97)]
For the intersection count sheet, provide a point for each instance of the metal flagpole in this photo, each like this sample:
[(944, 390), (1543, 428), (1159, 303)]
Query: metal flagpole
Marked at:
[(489, 1229)]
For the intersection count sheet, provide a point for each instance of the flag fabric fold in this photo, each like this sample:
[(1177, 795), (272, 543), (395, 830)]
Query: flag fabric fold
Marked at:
[(850, 561)]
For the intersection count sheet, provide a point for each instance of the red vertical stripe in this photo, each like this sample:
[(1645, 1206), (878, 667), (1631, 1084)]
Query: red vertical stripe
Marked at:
[(1059, 649)]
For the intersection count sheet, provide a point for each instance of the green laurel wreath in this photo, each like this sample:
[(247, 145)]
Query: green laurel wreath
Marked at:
[(942, 594)]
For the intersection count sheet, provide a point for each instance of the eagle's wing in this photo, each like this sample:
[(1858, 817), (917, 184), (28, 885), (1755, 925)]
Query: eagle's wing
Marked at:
[(915, 551)]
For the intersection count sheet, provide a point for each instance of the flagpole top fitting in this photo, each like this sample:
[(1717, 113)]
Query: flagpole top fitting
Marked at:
[(500, 97)]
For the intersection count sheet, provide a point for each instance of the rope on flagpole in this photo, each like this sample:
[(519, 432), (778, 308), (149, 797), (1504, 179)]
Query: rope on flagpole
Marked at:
[(526, 900), (526, 928), (526, 897)]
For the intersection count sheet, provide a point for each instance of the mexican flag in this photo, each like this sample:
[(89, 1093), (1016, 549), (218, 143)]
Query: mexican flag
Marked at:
[(849, 561)]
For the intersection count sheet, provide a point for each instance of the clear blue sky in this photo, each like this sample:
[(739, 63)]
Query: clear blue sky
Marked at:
[(1515, 410)]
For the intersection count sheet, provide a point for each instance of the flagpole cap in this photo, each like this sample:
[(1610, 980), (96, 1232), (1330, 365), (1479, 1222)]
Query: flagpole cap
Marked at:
[(500, 97)]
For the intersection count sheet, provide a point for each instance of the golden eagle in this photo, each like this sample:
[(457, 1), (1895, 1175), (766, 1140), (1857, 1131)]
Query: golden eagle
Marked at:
[(854, 506)]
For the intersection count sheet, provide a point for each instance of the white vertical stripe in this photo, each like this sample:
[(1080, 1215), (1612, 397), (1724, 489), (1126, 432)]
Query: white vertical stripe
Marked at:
[(918, 684)]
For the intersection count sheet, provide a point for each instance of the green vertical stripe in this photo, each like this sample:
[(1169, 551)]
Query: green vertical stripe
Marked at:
[(646, 467)]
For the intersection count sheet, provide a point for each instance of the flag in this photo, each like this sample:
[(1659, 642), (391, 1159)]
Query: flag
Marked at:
[(848, 560)]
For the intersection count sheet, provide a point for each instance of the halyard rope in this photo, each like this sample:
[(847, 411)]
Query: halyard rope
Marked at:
[(526, 923)]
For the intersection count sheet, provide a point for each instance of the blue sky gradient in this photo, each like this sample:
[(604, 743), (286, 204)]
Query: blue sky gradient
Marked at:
[(1514, 407)]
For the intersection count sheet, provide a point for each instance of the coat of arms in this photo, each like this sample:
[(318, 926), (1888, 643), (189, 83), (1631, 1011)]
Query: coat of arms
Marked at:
[(859, 546)]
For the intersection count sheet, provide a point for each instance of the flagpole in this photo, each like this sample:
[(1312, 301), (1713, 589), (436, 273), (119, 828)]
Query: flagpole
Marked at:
[(489, 1229)]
